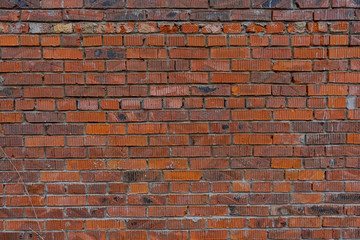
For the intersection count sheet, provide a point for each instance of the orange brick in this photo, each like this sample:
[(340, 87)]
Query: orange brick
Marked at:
[(60, 176), (44, 141), (182, 175), (323, 90), (30, 40), (285, 163), (92, 40), (8, 40), (230, 53), (86, 117), (241, 186), (292, 66), (104, 224), (110, 40), (249, 139), (293, 114), (304, 175)]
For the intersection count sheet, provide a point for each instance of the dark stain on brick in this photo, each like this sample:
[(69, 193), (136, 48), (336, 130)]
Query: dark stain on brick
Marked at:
[(121, 117), (228, 4), (171, 15), (192, 141), (346, 197), (147, 200), (236, 211), (216, 16), (130, 16), (324, 210), (240, 126), (133, 223), (349, 13), (92, 1), (101, 78), (21, 3), (259, 224), (98, 52), (6, 92), (285, 211), (270, 3), (224, 127), (108, 3), (357, 2), (237, 198), (207, 89), (133, 176), (283, 223), (111, 53)]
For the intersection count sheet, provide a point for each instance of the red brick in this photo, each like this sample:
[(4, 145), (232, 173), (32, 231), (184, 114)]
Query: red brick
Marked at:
[(24, 225), (295, 15), (251, 115), (86, 117), (169, 90), (305, 222), (251, 65), (285, 234), (210, 65), (275, 28), (309, 53), (71, 41), (62, 4), (327, 90), (25, 201), (17, 53), (279, 53), (188, 53), (11, 16), (62, 53), (65, 224), (313, 4), (83, 15), (39, 16)]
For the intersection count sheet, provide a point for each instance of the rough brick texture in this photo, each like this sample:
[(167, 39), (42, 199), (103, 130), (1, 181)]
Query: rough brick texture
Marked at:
[(179, 119)]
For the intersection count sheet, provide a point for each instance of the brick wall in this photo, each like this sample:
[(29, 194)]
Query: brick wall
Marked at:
[(180, 119)]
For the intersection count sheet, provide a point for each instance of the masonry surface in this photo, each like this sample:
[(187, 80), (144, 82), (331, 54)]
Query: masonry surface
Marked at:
[(179, 119)]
